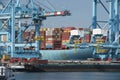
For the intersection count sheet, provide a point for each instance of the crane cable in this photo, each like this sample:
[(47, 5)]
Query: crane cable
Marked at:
[(51, 5), (38, 3)]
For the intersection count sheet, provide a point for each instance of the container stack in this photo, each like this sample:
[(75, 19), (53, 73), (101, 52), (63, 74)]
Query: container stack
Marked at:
[(66, 36), (43, 38), (3, 38), (58, 38), (32, 36), (49, 38), (87, 38), (68, 29), (87, 34), (26, 36), (75, 35), (6, 57), (99, 40), (81, 35), (98, 49), (57, 34)]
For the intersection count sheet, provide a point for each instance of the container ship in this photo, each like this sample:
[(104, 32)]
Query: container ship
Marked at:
[(61, 43)]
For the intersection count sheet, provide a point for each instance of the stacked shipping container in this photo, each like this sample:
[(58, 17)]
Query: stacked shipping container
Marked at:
[(26, 36), (66, 36), (32, 36), (57, 38), (81, 35), (57, 34), (49, 38), (43, 39), (3, 38), (87, 35)]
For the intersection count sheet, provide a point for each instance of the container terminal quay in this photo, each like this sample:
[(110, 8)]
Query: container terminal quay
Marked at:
[(70, 48)]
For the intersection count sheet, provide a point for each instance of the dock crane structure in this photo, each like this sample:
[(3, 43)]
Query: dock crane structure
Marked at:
[(11, 15), (112, 45)]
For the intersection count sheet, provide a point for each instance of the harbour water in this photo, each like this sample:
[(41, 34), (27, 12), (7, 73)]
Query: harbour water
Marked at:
[(68, 76)]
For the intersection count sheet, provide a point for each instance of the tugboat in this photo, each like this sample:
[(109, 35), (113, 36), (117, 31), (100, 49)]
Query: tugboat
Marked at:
[(6, 74)]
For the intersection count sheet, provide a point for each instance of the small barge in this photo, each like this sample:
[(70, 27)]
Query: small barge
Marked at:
[(74, 66)]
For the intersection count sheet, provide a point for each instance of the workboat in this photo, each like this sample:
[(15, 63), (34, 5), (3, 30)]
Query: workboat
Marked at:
[(6, 74)]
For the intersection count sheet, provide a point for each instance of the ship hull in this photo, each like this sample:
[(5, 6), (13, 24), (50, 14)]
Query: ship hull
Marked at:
[(70, 54), (66, 54)]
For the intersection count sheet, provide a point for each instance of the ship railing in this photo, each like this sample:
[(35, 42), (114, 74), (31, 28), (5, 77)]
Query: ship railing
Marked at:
[(84, 45), (25, 51)]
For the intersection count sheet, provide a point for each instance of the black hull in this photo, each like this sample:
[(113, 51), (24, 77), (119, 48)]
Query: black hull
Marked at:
[(73, 68)]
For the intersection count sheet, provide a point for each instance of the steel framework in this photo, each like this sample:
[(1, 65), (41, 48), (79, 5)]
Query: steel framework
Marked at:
[(13, 13)]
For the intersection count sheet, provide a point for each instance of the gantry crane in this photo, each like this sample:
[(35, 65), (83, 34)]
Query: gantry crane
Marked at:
[(109, 49), (14, 13)]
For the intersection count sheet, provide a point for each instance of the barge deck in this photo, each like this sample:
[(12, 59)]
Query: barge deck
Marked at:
[(74, 66)]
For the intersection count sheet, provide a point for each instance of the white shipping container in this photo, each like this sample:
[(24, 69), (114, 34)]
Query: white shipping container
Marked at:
[(75, 32), (105, 32), (3, 38), (49, 32), (50, 38), (82, 33), (97, 31), (50, 29)]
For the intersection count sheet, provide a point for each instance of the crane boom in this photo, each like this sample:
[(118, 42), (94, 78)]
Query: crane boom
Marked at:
[(46, 14)]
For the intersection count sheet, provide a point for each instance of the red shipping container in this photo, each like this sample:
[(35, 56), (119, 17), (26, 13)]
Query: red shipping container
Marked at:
[(42, 47), (42, 32), (65, 38), (81, 40), (81, 28), (63, 46), (108, 59), (25, 34), (57, 46), (43, 61), (50, 41), (118, 59), (57, 41), (104, 37), (33, 60), (66, 33), (88, 38), (69, 28), (57, 30), (97, 59)]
